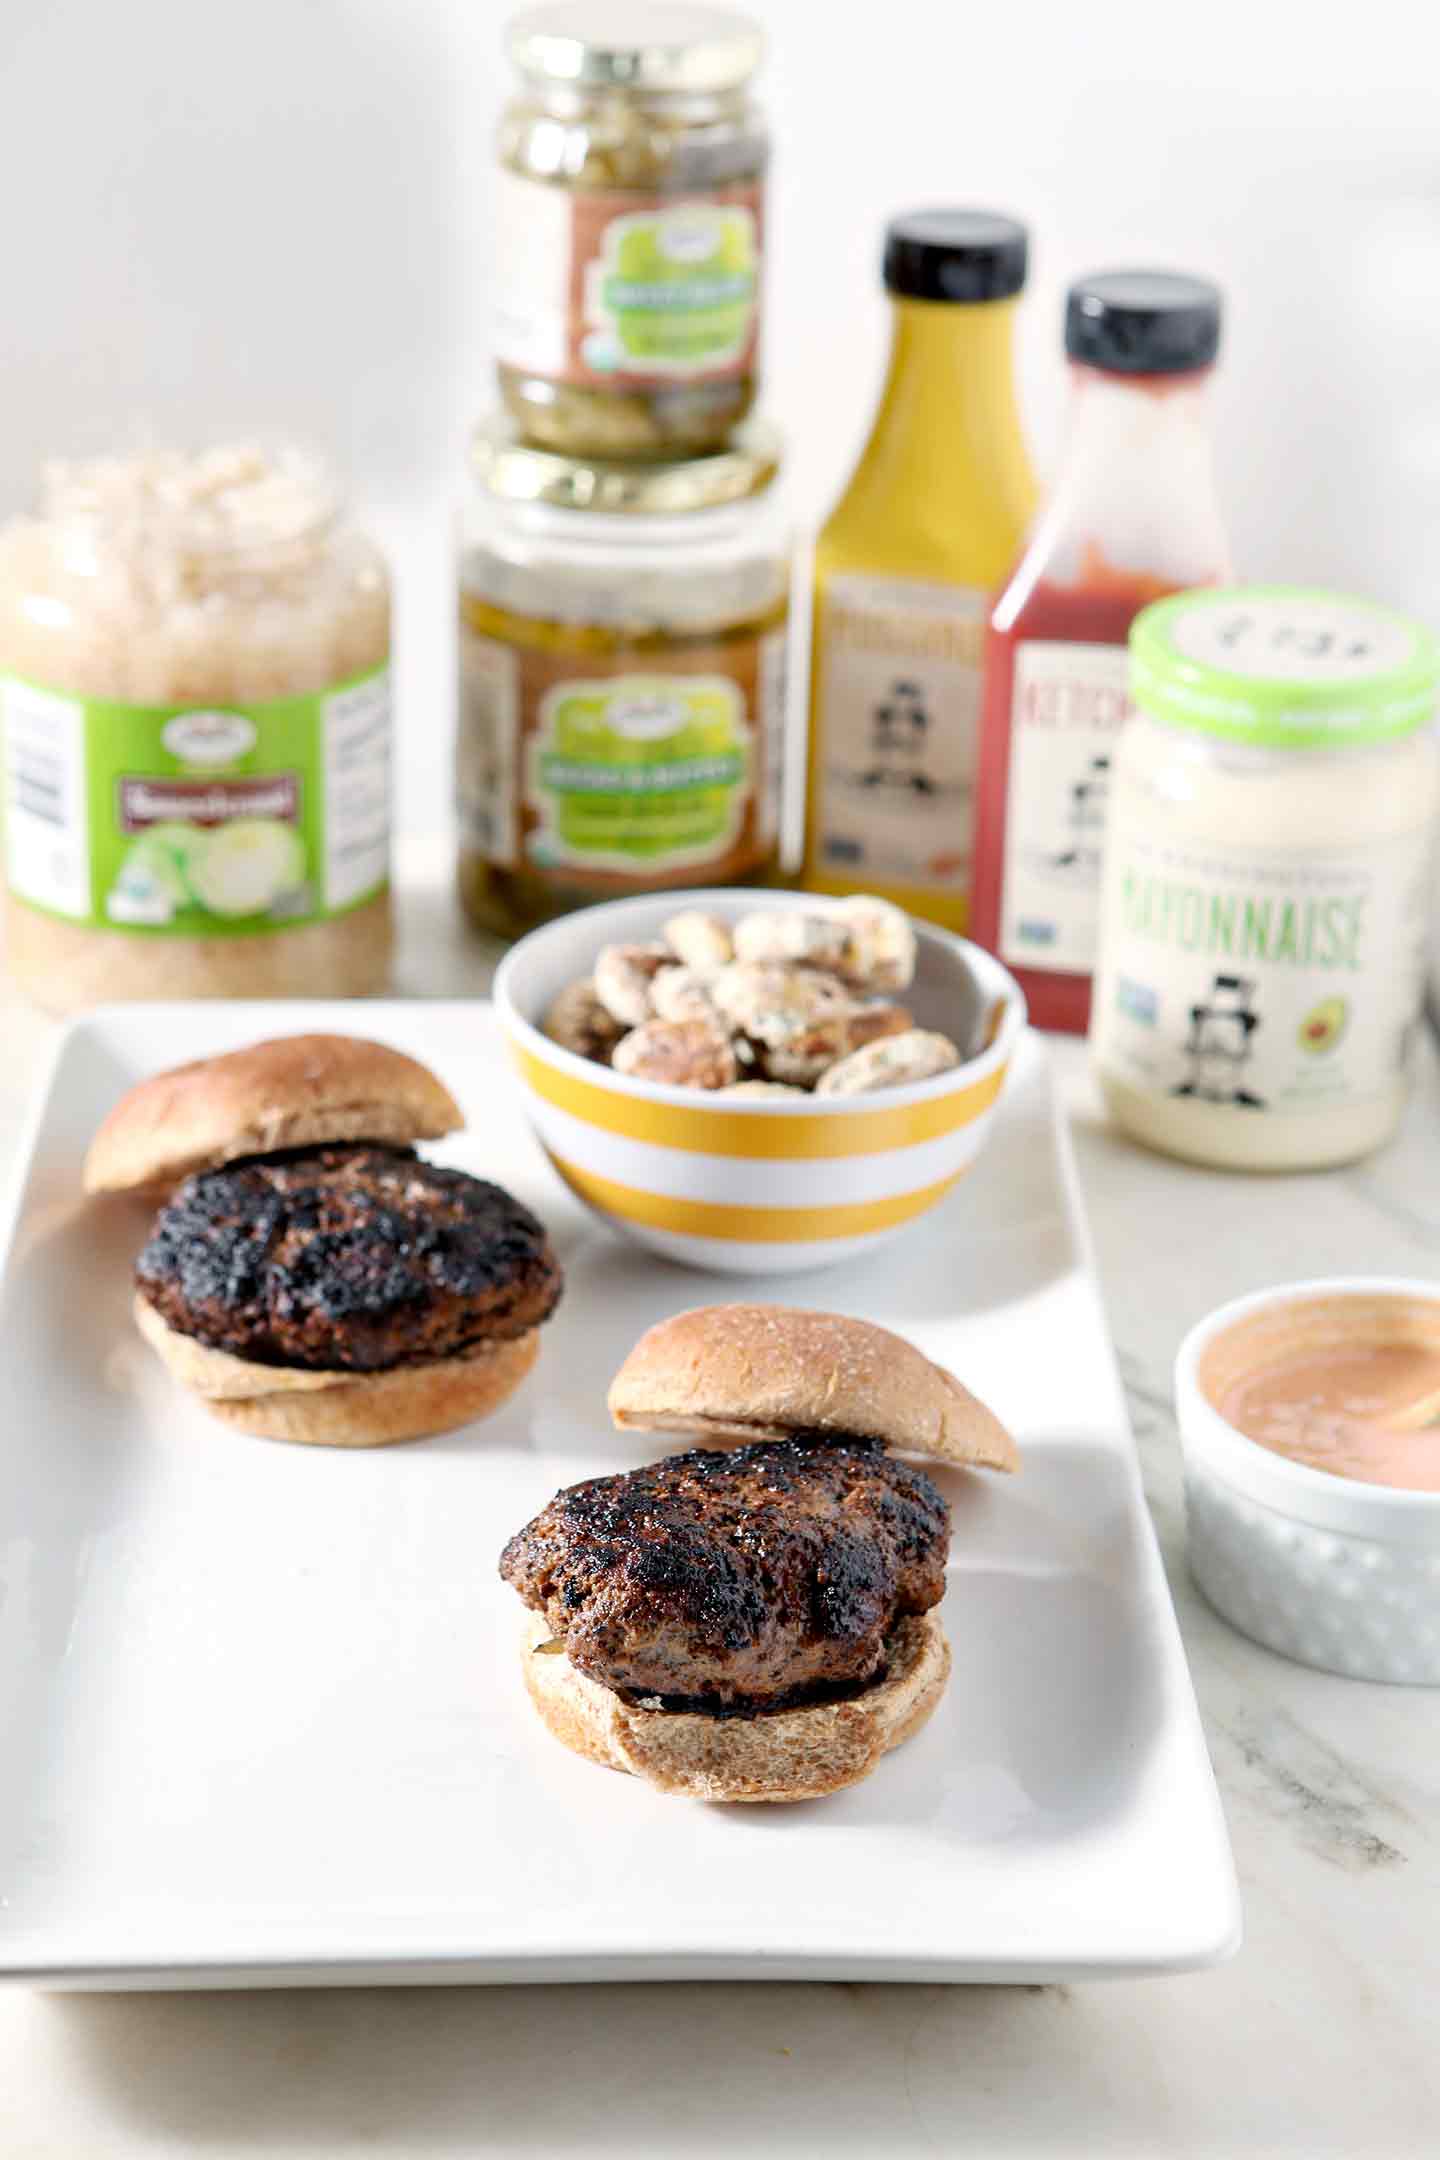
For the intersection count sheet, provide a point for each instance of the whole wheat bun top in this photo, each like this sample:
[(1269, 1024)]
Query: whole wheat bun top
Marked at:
[(294, 1091), (758, 1372)]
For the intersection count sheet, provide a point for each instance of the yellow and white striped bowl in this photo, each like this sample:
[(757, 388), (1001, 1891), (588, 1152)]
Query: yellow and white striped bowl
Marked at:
[(760, 1186)]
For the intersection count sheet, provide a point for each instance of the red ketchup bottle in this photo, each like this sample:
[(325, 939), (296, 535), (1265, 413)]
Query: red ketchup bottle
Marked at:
[(1132, 516)]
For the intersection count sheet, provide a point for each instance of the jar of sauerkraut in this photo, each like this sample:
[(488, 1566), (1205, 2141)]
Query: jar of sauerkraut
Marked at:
[(622, 676), (194, 710), (629, 227)]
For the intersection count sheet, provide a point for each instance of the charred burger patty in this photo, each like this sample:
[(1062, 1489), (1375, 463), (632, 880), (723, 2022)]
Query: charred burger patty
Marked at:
[(740, 1580), (347, 1258)]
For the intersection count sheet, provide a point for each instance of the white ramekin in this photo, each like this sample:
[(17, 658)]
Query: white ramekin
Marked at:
[(1324, 1569)]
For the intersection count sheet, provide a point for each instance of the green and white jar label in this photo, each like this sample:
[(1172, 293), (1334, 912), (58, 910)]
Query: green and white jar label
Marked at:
[(672, 291), (631, 770), (196, 820), (1265, 978), (627, 286), (566, 767)]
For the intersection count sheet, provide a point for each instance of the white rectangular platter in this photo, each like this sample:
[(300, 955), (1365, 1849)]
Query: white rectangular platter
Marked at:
[(261, 1710)]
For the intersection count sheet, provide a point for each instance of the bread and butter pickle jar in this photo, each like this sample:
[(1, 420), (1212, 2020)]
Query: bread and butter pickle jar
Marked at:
[(622, 675), (630, 216)]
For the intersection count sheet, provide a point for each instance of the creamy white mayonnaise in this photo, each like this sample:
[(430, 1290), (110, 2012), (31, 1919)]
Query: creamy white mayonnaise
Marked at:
[(1263, 923)]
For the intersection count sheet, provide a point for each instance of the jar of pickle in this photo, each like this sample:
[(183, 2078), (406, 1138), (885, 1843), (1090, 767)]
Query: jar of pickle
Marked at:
[(622, 676), (630, 217)]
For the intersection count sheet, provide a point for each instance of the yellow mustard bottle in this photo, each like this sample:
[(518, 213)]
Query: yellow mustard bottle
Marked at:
[(904, 568)]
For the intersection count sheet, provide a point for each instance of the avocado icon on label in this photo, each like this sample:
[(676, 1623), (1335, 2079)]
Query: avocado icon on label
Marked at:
[(1324, 1024)]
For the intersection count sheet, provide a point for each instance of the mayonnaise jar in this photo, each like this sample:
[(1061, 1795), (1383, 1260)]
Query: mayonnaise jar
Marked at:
[(1270, 840)]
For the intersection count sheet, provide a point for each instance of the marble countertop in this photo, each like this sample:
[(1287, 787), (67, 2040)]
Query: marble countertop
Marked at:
[(1318, 2039)]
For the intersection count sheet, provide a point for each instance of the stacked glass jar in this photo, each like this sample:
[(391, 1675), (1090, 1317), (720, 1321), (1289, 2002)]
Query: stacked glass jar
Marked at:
[(623, 568)]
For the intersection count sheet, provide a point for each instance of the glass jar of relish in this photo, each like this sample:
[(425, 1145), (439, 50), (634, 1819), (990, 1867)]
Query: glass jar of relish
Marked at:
[(630, 218)]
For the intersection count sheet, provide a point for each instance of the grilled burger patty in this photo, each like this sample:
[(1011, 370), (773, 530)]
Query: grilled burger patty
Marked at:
[(347, 1259), (736, 1580)]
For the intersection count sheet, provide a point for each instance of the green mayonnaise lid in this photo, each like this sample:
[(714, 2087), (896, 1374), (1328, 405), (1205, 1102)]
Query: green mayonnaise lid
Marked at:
[(1283, 667)]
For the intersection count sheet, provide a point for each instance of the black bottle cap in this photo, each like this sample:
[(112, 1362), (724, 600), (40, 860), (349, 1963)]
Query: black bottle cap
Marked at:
[(955, 255), (1143, 322)]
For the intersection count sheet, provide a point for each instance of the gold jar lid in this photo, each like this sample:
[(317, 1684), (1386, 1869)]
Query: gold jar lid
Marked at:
[(647, 45), (515, 471)]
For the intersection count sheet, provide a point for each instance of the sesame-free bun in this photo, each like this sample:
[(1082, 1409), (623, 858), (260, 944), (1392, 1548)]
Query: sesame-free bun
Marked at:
[(343, 1409), (293, 1091), (778, 1755), (731, 1373)]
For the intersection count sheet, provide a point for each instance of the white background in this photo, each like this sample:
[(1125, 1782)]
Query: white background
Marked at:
[(273, 215)]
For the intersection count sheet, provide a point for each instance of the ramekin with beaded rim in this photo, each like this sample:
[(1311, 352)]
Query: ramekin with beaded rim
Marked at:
[(758, 1186), (1329, 1570)]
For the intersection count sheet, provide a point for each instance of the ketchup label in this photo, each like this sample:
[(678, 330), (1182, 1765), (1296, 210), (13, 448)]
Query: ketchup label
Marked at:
[(1070, 703)]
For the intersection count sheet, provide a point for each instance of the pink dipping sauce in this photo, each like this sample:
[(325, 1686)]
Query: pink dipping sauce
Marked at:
[(1341, 1409)]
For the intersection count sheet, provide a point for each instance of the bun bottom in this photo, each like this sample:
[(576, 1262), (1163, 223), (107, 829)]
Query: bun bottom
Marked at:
[(781, 1755), (406, 1402)]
